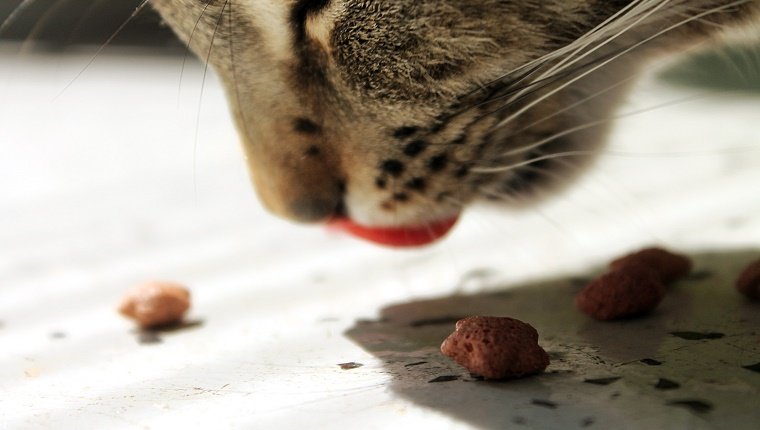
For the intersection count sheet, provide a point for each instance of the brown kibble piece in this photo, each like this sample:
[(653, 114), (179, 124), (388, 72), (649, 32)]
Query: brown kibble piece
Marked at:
[(748, 282), (668, 265), (155, 304), (630, 290), (496, 347)]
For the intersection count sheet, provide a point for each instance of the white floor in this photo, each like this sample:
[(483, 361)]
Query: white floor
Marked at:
[(105, 184)]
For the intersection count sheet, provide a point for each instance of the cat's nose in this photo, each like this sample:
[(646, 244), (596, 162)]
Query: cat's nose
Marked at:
[(314, 209), (306, 190)]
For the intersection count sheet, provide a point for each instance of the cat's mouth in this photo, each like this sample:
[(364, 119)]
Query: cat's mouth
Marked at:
[(398, 237)]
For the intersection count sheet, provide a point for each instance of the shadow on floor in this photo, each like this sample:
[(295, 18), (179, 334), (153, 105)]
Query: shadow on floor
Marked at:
[(684, 366)]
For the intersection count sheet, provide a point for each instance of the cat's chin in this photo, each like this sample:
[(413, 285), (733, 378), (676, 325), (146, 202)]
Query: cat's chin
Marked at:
[(397, 237)]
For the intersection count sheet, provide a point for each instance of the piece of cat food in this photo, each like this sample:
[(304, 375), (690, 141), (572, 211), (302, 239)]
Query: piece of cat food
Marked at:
[(496, 347), (630, 290), (155, 304), (668, 265), (748, 282)]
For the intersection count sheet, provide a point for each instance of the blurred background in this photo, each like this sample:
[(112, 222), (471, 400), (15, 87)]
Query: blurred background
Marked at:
[(62, 24), (125, 167)]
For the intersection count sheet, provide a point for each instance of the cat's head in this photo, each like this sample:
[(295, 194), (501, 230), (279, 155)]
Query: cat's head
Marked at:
[(399, 113)]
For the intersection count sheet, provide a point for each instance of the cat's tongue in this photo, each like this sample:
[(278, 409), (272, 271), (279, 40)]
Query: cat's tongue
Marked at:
[(406, 236)]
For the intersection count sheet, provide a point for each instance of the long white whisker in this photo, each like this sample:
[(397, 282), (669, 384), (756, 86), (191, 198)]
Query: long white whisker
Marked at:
[(599, 122), (595, 187), (238, 102), (547, 78), (535, 65), (187, 51), (200, 97), (581, 43), (576, 104), (557, 68), (536, 209), (532, 160), (593, 35), (566, 61), (627, 154), (529, 106), (540, 61), (137, 10)]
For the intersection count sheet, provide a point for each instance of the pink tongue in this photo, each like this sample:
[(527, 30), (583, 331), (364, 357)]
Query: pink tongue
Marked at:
[(396, 236)]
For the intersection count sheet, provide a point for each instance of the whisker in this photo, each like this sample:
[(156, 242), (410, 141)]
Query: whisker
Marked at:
[(704, 21), (200, 97), (495, 86), (612, 153), (15, 14), (187, 51), (533, 160), (605, 60), (548, 82), (605, 42), (602, 196), (512, 199), (534, 86), (231, 42), (532, 66), (546, 78), (600, 122), (541, 61), (137, 10), (487, 115), (574, 105), (529, 106)]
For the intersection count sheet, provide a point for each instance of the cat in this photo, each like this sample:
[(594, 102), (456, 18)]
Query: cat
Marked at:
[(394, 115)]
